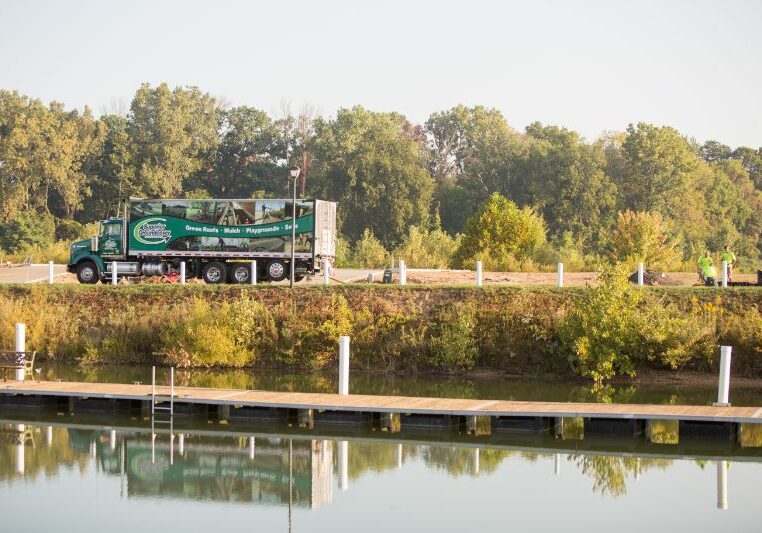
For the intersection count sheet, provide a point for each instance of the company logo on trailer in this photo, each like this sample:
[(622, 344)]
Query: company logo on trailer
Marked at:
[(152, 231)]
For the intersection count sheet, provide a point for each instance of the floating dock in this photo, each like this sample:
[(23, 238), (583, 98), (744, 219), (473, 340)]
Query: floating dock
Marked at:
[(385, 413)]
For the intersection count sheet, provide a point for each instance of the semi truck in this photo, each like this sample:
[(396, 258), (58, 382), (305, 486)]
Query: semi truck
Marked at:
[(216, 239)]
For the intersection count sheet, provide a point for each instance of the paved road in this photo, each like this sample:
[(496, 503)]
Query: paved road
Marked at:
[(39, 274), (29, 273)]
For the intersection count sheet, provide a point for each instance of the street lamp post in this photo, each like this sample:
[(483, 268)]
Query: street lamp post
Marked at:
[(294, 171)]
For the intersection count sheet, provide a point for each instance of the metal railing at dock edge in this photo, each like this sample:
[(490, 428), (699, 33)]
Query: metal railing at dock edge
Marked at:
[(154, 402)]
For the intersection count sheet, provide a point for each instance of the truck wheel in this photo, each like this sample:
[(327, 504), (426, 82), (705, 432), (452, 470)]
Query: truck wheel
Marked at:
[(214, 272), (276, 270), (240, 273), (87, 272)]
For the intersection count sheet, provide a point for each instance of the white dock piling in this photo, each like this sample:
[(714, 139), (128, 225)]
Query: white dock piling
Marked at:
[(478, 273), (252, 448), (403, 272), (114, 278), (20, 347), (640, 274), (343, 364), (399, 455), (724, 273), (560, 275), (722, 485), (476, 461), (253, 268), (326, 272), (343, 465), (49, 436), (181, 444), (51, 275), (723, 389), (182, 272), (112, 440)]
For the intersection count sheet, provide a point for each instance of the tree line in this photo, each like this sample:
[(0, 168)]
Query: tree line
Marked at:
[(630, 192)]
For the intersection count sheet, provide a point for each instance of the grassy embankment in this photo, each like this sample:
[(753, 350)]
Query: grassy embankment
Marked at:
[(573, 331)]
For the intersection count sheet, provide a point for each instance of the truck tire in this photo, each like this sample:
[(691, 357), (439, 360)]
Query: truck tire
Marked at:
[(276, 270), (87, 272), (214, 272), (240, 273)]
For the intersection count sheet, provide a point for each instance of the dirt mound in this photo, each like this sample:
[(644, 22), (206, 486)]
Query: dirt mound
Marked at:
[(653, 278)]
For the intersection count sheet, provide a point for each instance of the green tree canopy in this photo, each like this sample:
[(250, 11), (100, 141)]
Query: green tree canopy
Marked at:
[(375, 165)]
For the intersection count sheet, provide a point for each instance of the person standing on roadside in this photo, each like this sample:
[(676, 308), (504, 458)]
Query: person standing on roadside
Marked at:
[(730, 258), (705, 267)]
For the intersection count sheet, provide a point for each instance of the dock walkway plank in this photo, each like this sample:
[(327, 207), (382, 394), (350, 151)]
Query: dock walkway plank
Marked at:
[(396, 404)]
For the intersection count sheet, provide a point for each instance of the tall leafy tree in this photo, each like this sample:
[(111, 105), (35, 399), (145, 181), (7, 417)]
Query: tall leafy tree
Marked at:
[(657, 160), (472, 153), (248, 155), (565, 179), (173, 133), (374, 164)]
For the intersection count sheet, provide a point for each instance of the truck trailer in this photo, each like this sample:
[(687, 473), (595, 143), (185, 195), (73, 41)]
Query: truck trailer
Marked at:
[(216, 239)]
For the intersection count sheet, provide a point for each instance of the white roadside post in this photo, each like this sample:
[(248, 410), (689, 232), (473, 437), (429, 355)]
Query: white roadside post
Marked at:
[(560, 275), (640, 274), (50, 272), (343, 364), (370, 277), (182, 272), (113, 273), (723, 389), (20, 347), (326, 272), (724, 273), (478, 273), (403, 272), (253, 268)]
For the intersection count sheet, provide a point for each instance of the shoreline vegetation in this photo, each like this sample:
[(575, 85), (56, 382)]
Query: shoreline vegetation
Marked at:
[(597, 333)]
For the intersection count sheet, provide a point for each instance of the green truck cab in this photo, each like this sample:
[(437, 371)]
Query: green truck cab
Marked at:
[(216, 239)]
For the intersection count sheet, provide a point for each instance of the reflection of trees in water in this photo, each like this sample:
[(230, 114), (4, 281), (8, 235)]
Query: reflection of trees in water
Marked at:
[(367, 457), (609, 473), (461, 461), (39, 457)]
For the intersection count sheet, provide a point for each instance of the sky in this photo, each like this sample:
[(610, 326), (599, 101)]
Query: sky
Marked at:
[(591, 66)]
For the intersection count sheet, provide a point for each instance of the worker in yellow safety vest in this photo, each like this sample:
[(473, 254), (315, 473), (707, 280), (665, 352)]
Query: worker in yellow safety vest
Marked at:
[(730, 258), (706, 269)]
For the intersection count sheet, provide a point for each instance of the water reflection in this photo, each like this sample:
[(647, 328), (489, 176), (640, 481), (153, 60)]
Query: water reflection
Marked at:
[(433, 386), (285, 470)]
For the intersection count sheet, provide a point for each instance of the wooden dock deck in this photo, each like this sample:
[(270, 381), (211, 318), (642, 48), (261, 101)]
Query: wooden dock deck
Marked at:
[(402, 405)]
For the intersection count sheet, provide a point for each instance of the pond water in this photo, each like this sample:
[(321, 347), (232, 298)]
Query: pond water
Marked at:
[(74, 475), (488, 388)]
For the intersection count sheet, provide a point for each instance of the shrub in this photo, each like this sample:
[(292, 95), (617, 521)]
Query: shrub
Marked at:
[(498, 232), (743, 331), (452, 347), (369, 252), (427, 249), (199, 335), (613, 326), (643, 237), (27, 230)]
